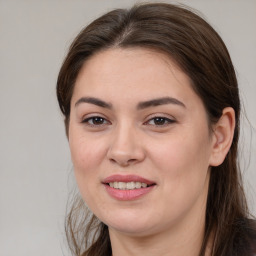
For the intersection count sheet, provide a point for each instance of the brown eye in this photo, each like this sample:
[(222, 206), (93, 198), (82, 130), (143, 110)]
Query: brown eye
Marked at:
[(98, 120), (95, 120), (160, 121)]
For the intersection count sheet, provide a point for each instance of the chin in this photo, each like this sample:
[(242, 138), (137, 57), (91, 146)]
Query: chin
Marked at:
[(135, 229), (130, 223)]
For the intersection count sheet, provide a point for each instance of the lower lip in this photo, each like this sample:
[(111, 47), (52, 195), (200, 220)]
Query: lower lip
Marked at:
[(127, 195)]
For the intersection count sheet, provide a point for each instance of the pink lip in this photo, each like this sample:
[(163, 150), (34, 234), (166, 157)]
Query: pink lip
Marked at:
[(127, 178), (131, 194)]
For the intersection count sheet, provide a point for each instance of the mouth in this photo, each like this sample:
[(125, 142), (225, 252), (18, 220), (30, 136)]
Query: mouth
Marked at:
[(127, 187), (127, 182)]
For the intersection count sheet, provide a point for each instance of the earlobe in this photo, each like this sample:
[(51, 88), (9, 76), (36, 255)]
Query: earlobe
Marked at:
[(223, 132)]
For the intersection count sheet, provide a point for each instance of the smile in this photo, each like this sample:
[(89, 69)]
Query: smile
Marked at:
[(127, 185)]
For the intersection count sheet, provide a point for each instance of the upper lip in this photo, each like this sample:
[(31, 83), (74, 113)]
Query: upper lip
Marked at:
[(127, 178)]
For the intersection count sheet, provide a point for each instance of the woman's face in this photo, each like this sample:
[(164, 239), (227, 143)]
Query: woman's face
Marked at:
[(140, 142)]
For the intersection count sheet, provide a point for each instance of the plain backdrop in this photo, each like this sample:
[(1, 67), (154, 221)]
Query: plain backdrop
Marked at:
[(35, 165)]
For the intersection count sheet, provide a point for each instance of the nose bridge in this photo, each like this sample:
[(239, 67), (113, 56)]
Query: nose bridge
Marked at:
[(125, 146)]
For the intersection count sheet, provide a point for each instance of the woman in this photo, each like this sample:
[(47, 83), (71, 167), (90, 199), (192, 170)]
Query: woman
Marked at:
[(151, 108)]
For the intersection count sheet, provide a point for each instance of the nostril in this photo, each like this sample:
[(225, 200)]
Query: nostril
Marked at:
[(123, 162), (112, 160), (132, 160), (125, 157)]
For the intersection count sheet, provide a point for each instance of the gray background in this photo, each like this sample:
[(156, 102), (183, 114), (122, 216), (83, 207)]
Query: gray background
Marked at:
[(35, 165)]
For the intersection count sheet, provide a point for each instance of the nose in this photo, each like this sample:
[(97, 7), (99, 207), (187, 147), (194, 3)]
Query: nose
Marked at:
[(125, 147)]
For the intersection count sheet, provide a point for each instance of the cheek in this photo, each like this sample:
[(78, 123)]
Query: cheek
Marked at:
[(87, 154), (183, 162), (182, 151)]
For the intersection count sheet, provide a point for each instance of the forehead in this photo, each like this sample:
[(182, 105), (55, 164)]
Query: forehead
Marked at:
[(135, 73)]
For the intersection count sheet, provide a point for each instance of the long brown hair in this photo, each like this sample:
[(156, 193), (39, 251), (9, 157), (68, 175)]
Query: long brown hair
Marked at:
[(200, 52)]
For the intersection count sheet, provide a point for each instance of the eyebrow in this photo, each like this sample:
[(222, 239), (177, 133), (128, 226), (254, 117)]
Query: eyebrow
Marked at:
[(94, 101), (140, 106), (160, 101)]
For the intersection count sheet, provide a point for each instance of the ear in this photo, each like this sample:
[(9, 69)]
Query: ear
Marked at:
[(223, 132)]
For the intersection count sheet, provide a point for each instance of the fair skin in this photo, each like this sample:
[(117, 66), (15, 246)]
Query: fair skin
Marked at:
[(134, 112)]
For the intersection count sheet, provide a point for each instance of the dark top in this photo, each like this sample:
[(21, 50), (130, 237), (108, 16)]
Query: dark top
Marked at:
[(244, 243)]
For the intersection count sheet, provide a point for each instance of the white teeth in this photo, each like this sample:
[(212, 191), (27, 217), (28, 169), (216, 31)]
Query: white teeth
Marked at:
[(137, 184), (130, 185), (122, 185), (144, 185), (127, 185)]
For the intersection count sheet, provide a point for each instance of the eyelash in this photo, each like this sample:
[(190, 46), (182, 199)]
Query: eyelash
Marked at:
[(164, 121), (94, 118)]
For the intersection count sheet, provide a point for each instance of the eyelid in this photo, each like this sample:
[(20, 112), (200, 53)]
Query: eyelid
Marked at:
[(169, 120), (91, 115), (86, 119)]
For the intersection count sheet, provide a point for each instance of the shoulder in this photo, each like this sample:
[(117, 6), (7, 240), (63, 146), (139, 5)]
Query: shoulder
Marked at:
[(252, 236), (245, 239)]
